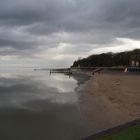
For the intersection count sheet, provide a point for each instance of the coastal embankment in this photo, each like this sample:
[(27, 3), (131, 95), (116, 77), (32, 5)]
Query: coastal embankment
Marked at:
[(108, 100)]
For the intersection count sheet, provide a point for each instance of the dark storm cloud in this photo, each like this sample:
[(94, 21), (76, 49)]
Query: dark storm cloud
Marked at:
[(17, 44), (104, 16), (85, 21)]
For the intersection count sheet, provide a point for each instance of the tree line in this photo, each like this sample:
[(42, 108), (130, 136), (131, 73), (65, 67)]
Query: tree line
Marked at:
[(109, 59)]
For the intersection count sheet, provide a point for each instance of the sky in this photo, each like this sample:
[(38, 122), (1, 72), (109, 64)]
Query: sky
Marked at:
[(54, 33)]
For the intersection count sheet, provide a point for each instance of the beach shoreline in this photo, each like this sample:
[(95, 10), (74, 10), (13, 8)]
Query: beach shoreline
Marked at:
[(108, 100)]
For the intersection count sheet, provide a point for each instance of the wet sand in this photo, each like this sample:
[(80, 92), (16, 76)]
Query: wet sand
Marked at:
[(108, 100)]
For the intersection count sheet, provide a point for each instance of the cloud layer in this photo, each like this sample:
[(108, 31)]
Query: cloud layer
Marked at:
[(58, 31)]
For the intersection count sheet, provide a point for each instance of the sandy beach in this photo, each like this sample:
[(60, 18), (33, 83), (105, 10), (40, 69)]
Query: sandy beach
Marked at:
[(108, 100)]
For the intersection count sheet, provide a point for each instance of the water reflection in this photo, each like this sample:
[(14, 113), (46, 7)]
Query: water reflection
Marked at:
[(21, 87), (34, 105)]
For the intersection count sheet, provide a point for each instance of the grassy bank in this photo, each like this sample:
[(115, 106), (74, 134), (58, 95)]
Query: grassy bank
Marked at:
[(131, 133)]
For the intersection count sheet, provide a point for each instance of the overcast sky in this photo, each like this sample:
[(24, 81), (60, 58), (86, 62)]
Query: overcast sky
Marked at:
[(54, 33)]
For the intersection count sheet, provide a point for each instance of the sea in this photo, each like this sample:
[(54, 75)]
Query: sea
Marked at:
[(37, 105)]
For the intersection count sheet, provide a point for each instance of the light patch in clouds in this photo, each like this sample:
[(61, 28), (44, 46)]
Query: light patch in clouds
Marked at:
[(121, 44)]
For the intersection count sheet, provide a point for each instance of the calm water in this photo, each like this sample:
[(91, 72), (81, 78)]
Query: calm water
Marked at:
[(37, 106)]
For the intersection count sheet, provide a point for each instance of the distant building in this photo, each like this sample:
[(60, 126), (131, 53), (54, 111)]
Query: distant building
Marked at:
[(135, 61), (79, 66)]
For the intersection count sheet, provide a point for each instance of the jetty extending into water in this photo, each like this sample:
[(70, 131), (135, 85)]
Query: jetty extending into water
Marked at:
[(64, 70), (94, 69)]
